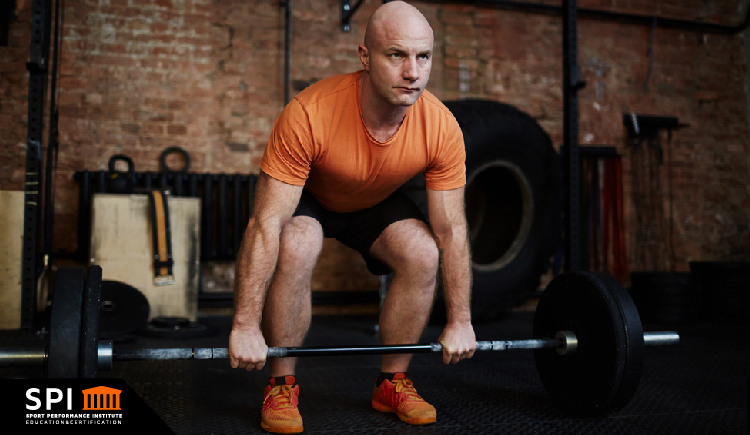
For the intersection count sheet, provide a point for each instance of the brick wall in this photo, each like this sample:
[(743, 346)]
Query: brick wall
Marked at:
[(141, 75), (515, 57)]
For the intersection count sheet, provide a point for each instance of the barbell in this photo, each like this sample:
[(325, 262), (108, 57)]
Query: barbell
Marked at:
[(588, 341)]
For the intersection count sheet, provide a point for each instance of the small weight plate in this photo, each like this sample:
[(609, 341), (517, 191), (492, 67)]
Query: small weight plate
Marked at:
[(64, 346), (90, 323), (124, 309), (604, 372), (175, 327)]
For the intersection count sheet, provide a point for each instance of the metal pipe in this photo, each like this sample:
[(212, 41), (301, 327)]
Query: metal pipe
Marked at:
[(287, 5), (572, 181), (207, 219), (104, 356), (234, 246), (646, 20), (660, 338), (222, 216), (565, 341), (280, 352), (22, 357)]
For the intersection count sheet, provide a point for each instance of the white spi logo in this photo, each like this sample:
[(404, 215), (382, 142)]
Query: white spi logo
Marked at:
[(52, 395)]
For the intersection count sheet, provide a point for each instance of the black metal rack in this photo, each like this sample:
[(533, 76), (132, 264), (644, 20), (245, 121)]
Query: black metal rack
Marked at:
[(37, 66)]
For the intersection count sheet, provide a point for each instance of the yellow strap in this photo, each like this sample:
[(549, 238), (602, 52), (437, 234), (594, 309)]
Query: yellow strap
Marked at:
[(161, 228)]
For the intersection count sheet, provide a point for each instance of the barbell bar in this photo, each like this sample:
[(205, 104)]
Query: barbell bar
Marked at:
[(587, 340), (565, 343)]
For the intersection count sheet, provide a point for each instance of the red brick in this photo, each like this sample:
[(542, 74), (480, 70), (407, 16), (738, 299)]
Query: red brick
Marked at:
[(461, 30), (460, 52), (466, 41), (130, 128), (72, 83), (176, 129), (458, 19)]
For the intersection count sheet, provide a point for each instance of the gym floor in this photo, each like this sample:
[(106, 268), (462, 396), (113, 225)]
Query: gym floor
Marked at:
[(697, 387)]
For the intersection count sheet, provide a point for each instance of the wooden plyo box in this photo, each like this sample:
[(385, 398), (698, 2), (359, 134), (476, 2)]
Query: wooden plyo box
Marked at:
[(11, 251), (121, 243)]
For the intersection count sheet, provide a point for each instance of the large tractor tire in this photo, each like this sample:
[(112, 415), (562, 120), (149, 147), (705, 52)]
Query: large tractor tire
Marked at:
[(513, 204)]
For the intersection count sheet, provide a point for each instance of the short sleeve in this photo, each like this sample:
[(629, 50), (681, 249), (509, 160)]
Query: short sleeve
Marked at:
[(289, 153), (448, 169)]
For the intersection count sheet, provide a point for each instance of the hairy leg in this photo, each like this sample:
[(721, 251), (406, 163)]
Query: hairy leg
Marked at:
[(409, 248), (288, 306)]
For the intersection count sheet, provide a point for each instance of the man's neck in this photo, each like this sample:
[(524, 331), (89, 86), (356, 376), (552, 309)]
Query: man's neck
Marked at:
[(381, 118)]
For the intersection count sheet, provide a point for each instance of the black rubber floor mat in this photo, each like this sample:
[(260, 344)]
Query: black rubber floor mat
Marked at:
[(697, 387)]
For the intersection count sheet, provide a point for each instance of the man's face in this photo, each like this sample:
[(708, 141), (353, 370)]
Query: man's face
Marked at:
[(399, 63)]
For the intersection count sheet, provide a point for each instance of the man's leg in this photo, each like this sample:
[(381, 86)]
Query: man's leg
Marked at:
[(409, 249), (286, 319), (288, 307)]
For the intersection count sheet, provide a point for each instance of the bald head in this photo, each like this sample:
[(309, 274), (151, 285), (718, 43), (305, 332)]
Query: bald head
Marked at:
[(396, 20), (396, 58)]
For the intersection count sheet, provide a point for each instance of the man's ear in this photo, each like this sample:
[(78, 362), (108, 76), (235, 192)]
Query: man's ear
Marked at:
[(364, 57)]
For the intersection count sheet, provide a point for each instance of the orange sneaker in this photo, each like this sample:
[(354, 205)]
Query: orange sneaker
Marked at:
[(399, 396), (280, 413)]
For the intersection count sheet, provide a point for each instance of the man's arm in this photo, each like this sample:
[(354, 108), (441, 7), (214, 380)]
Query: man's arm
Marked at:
[(448, 221), (275, 203)]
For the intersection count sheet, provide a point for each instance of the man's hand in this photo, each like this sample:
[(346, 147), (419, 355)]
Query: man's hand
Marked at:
[(247, 349), (458, 342)]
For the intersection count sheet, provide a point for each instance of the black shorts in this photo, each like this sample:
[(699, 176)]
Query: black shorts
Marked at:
[(359, 230)]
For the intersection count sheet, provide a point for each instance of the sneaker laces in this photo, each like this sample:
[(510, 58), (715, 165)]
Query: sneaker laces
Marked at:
[(406, 387), (282, 395)]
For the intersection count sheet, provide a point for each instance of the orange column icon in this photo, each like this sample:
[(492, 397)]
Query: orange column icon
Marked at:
[(101, 399)]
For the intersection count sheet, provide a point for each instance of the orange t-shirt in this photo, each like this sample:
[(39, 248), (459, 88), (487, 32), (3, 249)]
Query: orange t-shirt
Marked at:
[(320, 141)]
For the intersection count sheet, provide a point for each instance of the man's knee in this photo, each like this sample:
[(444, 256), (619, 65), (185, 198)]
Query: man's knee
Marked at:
[(301, 243), (421, 259)]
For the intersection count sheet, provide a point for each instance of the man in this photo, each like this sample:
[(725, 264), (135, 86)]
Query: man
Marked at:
[(336, 157)]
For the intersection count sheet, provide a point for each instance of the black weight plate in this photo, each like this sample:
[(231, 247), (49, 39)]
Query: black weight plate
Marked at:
[(171, 322), (175, 328), (124, 309), (64, 349), (90, 323), (604, 372)]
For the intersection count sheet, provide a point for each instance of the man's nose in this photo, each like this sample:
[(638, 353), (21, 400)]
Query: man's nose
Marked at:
[(410, 70)]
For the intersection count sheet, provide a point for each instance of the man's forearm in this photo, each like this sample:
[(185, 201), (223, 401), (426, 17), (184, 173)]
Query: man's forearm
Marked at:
[(455, 262), (256, 263), (275, 203)]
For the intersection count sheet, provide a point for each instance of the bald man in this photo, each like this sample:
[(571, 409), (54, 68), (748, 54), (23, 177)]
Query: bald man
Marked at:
[(334, 162)]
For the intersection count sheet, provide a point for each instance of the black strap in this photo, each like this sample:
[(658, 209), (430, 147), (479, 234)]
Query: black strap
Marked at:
[(161, 237)]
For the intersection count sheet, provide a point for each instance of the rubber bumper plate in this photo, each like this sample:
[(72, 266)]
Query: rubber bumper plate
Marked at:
[(604, 372)]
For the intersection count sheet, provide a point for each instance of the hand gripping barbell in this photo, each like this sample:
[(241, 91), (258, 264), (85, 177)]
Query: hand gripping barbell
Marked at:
[(588, 341)]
